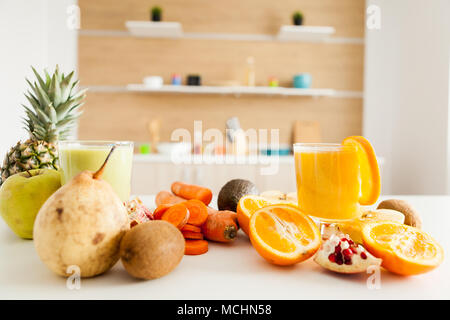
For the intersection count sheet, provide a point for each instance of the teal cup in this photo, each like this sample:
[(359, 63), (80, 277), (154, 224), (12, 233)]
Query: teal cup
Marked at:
[(302, 81)]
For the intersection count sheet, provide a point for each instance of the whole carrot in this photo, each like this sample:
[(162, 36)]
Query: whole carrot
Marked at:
[(220, 227), (231, 214), (190, 191)]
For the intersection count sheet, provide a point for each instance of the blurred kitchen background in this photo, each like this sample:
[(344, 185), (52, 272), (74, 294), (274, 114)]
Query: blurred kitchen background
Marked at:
[(243, 63)]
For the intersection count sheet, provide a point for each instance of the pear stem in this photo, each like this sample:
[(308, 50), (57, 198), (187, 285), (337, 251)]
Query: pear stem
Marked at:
[(99, 172)]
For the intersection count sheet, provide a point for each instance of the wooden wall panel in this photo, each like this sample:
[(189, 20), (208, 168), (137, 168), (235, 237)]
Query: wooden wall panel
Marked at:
[(119, 60), (123, 60), (229, 16), (125, 115)]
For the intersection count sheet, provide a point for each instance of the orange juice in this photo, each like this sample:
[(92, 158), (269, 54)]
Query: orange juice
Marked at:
[(328, 180)]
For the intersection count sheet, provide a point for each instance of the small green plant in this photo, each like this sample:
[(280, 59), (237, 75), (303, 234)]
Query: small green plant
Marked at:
[(297, 18), (156, 13)]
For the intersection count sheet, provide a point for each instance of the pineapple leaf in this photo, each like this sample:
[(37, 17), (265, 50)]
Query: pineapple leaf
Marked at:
[(51, 112), (33, 101), (65, 87), (36, 92), (41, 82), (68, 120), (53, 105), (67, 109), (55, 91), (44, 100), (42, 116), (80, 94)]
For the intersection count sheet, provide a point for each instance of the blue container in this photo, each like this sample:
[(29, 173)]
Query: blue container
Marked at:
[(176, 80), (302, 80)]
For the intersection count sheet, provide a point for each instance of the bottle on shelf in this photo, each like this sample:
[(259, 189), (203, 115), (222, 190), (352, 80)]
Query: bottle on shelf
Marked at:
[(250, 76)]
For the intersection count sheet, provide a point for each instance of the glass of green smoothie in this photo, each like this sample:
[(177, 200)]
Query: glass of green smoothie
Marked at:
[(78, 155)]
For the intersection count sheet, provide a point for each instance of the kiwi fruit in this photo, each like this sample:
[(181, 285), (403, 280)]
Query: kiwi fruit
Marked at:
[(233, 191), (152, 249), (412, 217)]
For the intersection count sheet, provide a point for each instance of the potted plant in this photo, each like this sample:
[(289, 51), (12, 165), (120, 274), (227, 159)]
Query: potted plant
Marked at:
[(297, 18), (155, 13)]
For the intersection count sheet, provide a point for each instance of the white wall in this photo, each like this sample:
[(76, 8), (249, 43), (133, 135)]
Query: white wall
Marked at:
[(406, 96), (31, 33)]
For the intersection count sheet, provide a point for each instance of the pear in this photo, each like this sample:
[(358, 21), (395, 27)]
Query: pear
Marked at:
[(81, 226)]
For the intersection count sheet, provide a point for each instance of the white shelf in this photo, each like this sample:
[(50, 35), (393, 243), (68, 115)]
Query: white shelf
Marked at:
[(236, 90), (304, 33), (287, 33), (155, 29)]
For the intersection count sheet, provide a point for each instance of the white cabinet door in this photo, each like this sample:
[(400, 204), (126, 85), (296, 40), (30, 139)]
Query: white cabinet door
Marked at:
[(152, 177)]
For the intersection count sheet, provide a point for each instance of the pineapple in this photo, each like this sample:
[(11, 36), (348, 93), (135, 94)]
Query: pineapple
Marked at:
[(52, 113)]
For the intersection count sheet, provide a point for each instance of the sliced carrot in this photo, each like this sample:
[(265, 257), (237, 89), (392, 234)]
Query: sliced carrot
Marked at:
[(190, 227), (190, 191), (177, 215), (195, 247), (166, 197), (160, 210), (198, 212), (192, 235)]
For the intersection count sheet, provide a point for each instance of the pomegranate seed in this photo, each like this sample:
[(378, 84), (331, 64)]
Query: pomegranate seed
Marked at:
[(354, 250), (347, 253), (337, 249), (332, 257), (351, 242), (363, 255), (339, 261), (344, 239), (348, 261)]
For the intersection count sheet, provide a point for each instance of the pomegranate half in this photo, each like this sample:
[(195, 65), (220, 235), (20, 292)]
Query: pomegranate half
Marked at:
[(340, 254)]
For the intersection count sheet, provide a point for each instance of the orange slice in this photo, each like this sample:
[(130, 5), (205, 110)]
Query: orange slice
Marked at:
[(248, 205), (368, 168), (283, 235), (405, 250)]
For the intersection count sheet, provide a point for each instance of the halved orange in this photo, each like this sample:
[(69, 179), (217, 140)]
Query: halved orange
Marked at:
[(404, 249), (283, 235), (246, 207), (368, 168)]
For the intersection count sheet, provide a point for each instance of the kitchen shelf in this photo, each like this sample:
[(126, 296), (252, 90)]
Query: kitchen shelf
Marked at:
[(304, 33), (174, 30), (230, 90), (236, 90), (155, 29)]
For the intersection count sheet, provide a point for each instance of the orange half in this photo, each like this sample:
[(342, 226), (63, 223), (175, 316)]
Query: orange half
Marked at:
[(283, 235), (368, 168), (246, 207), (404, 249)]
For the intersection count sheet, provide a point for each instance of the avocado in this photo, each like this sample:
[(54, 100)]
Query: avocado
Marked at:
[(233, 191)]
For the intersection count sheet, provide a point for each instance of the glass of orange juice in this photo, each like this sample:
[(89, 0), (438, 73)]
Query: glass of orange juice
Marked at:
[(328, 180)]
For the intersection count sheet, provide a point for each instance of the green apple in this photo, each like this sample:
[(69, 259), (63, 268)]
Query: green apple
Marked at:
[(23, 194)]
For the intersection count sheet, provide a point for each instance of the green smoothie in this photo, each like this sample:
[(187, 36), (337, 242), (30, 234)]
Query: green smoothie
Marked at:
[(76, 156)]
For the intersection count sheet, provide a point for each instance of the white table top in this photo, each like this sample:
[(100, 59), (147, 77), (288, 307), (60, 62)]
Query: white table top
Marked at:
[(228, 271)]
